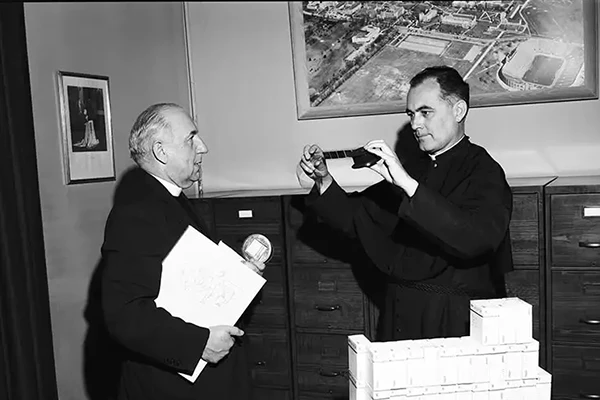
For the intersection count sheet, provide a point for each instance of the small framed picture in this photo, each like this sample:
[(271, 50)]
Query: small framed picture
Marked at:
[(87, 138)]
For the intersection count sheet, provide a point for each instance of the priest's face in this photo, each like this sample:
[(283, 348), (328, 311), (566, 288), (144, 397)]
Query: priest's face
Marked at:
[(436, 121)]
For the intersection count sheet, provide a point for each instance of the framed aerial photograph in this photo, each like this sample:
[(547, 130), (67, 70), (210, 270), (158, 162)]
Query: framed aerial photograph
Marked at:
[(86, 129), (356, 58)]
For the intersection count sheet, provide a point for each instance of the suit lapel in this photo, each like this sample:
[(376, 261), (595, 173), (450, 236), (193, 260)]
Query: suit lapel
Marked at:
[(178, 219)]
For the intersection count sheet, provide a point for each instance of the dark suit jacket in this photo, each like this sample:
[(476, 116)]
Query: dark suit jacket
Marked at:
[(145, 223)]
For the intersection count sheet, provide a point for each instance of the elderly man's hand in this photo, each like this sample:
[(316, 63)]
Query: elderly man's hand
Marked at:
[(255, 266)]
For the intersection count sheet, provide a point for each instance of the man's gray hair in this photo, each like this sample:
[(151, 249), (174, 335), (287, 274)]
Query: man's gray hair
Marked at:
[(146, 127)]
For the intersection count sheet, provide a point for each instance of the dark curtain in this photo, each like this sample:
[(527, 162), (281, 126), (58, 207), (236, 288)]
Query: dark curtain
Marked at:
[(26, 356)]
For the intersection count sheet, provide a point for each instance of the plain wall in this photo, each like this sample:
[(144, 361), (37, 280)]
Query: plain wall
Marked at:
[(140, 47), (244, 92)]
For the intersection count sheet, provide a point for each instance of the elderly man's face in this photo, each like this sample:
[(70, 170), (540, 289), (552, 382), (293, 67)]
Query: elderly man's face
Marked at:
[(185, 149), (435, 121)]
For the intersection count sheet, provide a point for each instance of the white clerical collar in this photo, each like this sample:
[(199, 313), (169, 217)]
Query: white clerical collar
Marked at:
[(170, 186), (433, 156)]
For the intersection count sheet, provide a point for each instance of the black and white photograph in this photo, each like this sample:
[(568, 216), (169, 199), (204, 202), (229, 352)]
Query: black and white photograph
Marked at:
[(86, 127), (355, 58)]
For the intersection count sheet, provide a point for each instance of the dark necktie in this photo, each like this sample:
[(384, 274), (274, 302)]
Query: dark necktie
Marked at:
[(187, 206)]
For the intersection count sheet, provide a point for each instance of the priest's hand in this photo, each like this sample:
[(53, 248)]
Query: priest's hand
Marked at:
[(390, 167), (313, 164), (255, 266), (220, 341)]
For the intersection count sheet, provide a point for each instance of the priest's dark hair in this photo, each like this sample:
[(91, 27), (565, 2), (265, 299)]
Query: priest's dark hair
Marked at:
[(450, 81)]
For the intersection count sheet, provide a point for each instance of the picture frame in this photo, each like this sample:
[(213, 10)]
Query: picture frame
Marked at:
[(86, 128), (357, 58)]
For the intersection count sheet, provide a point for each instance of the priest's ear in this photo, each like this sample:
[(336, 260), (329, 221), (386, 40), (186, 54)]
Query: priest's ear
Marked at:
[(460, 109), (159, 152)]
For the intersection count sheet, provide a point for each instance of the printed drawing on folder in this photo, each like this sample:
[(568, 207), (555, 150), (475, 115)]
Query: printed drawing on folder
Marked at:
[(206, 284)]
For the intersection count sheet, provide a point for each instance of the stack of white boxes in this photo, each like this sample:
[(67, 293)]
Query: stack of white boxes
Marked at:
[(498, 361)]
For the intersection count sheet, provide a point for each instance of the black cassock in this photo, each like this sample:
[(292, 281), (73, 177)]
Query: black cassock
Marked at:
[(447, 244)]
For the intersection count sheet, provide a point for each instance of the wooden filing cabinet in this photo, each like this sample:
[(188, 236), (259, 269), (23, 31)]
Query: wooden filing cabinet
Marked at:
[(266, 323), (318, 290), (573, 284), (527, 281), (329, 300)]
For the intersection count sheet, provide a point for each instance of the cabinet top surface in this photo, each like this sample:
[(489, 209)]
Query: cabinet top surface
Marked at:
[(533, 181), (574, 183), (513, 182)]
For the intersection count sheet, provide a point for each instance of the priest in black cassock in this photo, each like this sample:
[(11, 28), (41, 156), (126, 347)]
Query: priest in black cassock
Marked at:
[(437, 225)]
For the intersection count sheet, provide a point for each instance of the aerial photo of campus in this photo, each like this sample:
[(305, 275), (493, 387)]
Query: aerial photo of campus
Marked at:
[(366, 52)]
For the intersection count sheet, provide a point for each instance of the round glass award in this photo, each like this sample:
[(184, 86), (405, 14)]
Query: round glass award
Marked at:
[(257, 247)]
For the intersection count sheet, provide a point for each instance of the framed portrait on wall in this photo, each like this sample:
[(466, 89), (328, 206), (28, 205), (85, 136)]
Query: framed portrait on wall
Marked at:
[(356, 58), (86, 128)]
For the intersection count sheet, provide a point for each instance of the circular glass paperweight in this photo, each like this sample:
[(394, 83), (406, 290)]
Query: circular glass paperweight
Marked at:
[(257, 247)]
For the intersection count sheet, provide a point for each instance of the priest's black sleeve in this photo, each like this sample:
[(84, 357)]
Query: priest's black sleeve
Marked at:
[(468, 229)]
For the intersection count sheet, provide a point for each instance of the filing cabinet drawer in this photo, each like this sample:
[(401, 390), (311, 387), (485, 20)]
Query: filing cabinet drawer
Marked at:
[(333, 381), (322, 350), (576, 372), (324, 255), (259, 393), (268, 309), (524, 284), (248, 210), (322, 396), (575, 236), (524, 230), (235, 237), (327, 298), (576, 306), (268, 356)]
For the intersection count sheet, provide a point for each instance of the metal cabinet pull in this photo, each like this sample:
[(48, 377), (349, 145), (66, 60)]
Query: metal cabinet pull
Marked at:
[(261, 363), (589, 396), (327, 308), (589, 245), (330, 374), (590, 322)]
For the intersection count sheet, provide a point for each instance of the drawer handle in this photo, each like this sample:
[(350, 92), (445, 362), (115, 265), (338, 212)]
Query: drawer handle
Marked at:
[(330, 374), (261, 363), (589, 245), (327, 308), (590, 322), (589, 396)]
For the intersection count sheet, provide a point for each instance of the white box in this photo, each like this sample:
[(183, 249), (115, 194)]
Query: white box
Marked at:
[(494, 360), (466, 348), (480, 391), (501, 321), (449, 363), (513, 362), (514, 390), (357, 393), (496, 390), (448, 392), (530, 359), (398, 394), (388, 365), (432, 349), (358, 358), (544, 385), (485, 322), (529, 389), (464, 392), (415, 364), (415, 393)]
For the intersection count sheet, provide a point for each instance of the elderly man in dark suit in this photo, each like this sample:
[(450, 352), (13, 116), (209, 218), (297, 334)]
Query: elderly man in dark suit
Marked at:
[(149, 215)]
